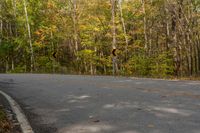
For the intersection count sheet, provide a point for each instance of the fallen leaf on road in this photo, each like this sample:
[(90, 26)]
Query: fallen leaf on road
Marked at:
[(96, 120), (150, 126), (163, 96)]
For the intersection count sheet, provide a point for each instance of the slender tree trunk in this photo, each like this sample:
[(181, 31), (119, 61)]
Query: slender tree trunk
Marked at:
[(113, 24), (104, 69), (167, 28), (12, 50), (15, 16), (74, 17), (94, 65), (150, 41), (13, 64), (52, 51), (91, 68), (196, 59), (175, 42), (7, 65), (124, 27), (1, 31), (14, 7), (198, 54), (1, 25), (75, 36), (145, 24), (29, 35), (25, 62), (114, 60), (189, 57), (85, 66)]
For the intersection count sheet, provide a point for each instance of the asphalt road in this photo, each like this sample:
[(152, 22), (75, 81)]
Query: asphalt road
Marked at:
[(98, 104)]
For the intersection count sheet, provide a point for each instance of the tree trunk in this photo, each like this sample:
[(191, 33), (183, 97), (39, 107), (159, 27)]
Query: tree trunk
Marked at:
[(114, 60), (91, 69), (7, 64), (145, 24), (124, 28), (113, 24), (74, 17), (29, 36), (1, 31), (1, 25), (52, 51)]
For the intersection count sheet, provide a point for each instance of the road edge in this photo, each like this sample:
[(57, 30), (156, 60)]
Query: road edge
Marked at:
[(24, 124)]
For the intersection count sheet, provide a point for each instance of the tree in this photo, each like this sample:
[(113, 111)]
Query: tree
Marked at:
[(152, 38), (29, 36)]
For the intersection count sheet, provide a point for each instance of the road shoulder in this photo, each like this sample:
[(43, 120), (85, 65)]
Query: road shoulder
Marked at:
[(8, 121), (16, 113)]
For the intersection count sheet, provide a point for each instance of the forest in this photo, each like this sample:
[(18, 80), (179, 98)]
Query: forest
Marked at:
[(152, 38)]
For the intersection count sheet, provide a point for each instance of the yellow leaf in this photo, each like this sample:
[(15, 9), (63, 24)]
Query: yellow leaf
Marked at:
[(150, 126)]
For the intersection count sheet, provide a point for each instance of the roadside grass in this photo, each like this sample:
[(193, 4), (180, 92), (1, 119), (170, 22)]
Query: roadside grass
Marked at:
[(5, 126)]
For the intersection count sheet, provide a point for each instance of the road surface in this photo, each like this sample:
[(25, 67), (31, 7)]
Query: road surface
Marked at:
[(100, 104)]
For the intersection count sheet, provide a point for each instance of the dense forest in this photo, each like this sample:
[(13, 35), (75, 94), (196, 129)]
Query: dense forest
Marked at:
[(152, 38)]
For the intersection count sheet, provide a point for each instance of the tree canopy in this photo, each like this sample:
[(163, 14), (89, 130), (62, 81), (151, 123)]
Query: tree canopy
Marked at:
[(157, 38)]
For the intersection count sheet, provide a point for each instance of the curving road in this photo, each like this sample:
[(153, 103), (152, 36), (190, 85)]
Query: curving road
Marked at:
[(100, 104)]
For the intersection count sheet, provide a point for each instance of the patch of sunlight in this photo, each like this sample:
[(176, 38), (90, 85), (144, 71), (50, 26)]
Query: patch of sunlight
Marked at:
[(87, 128), (161, 115), (47, 115), (108, 106), (129, 132), (174, 80), (173, 111), (80, 107), (121, 81), (106, 87), (194, 83), (196, 131), (63, 110), (73, 101), (83, 97), (74, 98), (138, 83), (120, 105)]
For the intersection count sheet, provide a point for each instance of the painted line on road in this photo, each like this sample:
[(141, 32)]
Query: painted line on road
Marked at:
[(24, 124)]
